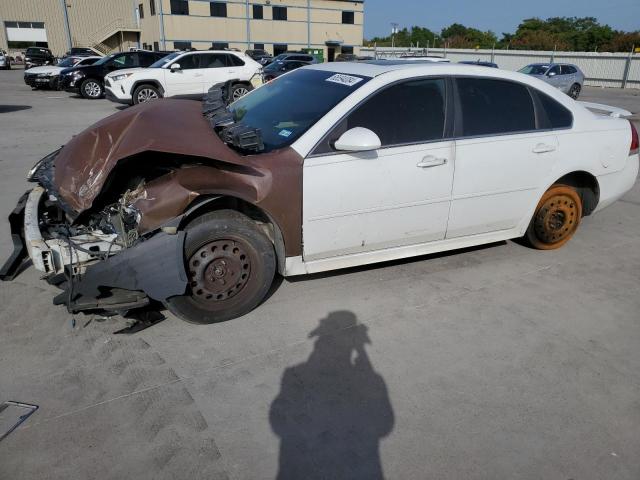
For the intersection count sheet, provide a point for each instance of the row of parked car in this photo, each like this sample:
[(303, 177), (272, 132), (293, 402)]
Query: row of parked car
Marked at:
[(139, 76)]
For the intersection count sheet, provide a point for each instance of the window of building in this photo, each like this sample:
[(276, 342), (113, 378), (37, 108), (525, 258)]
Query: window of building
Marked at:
[(11, 24), (279, 48), (179, 7), (348, 17), (345, 49), (492, 107), (219, 45), (257, 12), (258, 46), (550, 113), (182, 45), (152, 7), (156, 46), (141, 10), (279, 13), (37, 25), (218, 9)]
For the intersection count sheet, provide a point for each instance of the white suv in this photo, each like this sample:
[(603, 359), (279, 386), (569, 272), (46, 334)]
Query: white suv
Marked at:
[(183, 74)]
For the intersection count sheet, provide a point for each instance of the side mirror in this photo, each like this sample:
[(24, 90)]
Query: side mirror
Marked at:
[(551, 74), (358, 139), (175, 67)]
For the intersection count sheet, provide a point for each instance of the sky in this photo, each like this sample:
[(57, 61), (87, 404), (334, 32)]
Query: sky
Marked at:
[(496, 15)]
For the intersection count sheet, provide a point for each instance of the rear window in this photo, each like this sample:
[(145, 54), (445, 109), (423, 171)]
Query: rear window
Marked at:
[(494, 107)]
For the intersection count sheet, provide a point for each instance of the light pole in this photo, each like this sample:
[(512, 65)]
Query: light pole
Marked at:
[(394, 30)]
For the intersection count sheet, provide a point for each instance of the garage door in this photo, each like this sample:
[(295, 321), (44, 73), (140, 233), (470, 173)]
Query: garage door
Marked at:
[(26, 31)]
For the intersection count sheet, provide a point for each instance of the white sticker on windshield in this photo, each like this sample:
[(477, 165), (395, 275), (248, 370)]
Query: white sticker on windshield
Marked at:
[(285, 133), (343, 79)]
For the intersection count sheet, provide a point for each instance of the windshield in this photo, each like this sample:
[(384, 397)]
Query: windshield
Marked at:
[(274, 66), (68, 62), (281, 121), (534, 69), (164, 60), (104, 60)]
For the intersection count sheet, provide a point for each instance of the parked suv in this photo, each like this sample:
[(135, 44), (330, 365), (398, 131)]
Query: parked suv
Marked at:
[(5, 60), (88, 81), (260, 56), (565, 77), (301, 57), (275, 69), (183, 74), (36, 56)]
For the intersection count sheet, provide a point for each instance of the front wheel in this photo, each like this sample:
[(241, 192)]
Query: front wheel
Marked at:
[(556, 218), (145, 93), (574, 91), (91, 89), (230, 264)]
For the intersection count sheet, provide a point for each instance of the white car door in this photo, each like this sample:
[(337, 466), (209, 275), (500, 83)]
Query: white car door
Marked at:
[(215, 70), (396, 195), (184, 81), (503, 156)]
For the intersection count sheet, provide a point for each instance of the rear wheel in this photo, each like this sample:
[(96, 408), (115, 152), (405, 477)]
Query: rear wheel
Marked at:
[(556, 218), (145, 93), (91, 89), (239, 91), (230, 263), (574, 91)]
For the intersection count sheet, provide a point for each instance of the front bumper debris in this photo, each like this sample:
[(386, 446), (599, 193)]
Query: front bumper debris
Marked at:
[(16, 220)]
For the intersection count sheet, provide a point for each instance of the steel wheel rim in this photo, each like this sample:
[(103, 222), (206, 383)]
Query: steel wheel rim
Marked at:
[(218, 271), (240, 92), (146, 94), (575, 90), (92, 89), (556, 219)]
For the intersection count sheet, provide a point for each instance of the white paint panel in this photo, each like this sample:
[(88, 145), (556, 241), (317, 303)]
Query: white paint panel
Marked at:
[(26, 34), (365, 201)]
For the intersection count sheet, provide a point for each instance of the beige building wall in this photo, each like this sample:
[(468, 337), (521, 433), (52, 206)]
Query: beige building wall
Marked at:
[(319, 26), (89, 20)]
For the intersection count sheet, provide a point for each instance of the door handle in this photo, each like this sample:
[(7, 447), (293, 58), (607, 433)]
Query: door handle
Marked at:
[(543, 148), (431, 161), (198, 75)]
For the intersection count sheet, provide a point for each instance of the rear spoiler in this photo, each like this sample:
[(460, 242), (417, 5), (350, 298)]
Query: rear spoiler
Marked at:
[(613, 111)]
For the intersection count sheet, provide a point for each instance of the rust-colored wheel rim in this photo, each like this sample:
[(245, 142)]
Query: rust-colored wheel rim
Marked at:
[(218, 271), (557, 217)]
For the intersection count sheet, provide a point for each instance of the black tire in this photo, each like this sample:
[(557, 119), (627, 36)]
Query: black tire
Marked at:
[(145, 93), (54, 83), (239, 90), (91, 89), (230, 263), (574, 91)]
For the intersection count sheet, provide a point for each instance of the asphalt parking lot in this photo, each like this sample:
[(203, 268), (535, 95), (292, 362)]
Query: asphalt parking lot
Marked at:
[(489, 363)]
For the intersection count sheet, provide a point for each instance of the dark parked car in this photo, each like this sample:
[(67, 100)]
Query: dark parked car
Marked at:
[(81, 52), (347, 57), (275, 69), (37, 56), (480, 63), (260, 56), (299, 56), (88, 81)]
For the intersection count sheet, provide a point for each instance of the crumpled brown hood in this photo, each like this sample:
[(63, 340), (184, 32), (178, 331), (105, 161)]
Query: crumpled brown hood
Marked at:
[(171, 126)]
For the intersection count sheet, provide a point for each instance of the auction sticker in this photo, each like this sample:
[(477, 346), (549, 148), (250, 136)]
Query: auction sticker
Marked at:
[(343, 79)]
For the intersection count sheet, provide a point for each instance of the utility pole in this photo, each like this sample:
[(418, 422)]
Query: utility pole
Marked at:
[(394, 30), (65, 14)]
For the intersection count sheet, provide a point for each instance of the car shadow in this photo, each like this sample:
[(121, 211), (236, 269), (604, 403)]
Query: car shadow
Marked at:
[(334, 408), (13, 108)]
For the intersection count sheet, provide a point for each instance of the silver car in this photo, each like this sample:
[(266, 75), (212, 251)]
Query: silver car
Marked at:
[(564, 76), (5, 60)]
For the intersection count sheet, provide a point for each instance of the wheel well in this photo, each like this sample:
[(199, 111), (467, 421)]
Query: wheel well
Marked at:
[(153, 83), (243, 82), (206, 204), (587, 187)]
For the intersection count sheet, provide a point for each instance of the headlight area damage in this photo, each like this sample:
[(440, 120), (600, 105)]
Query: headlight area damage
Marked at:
[(106, 220)]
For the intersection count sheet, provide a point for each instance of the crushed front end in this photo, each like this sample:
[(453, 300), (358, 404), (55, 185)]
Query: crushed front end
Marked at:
[(99, 258)]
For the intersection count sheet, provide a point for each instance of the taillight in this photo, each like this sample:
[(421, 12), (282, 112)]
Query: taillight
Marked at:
[(635, 143)]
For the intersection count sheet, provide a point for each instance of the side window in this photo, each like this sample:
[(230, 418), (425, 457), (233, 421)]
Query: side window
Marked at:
[(552, 114), (188, 62), (146, 59), (212, 60), (568, 70), (118, 62), (491, 107), (233, 61), (555, 69), (132, 60), (405, 113)]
